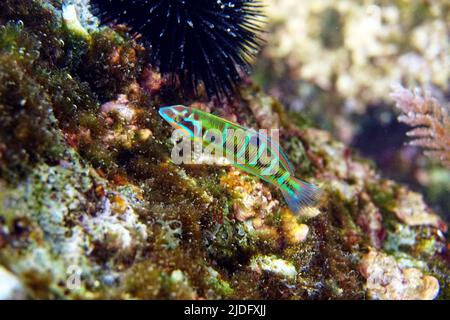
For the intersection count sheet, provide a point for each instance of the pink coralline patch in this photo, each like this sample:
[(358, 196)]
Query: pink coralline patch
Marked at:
[(359, 171), (261, 107), (405, 99), (151, 81), (386, 280), (207, 107), (123, 112), (120, 106), (412, 210), (371, 222), (123, 56), (319, 137)]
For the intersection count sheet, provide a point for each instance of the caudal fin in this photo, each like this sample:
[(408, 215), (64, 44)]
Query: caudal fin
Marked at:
[(301, 196)]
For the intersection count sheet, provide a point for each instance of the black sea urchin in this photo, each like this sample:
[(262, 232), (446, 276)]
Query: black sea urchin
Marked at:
[(209, 41)]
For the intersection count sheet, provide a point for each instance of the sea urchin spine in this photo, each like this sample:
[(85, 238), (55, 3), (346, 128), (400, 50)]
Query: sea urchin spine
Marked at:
[(209, 41)]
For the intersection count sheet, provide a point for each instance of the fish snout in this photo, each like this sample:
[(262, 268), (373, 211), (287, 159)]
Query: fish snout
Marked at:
[(168, 114), (164, 111), (173, 113)]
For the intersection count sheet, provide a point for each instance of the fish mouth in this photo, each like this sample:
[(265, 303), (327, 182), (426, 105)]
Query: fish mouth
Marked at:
[(167, 114), (172, 113)]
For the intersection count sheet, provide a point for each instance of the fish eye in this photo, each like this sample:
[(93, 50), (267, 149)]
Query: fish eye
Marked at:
[(180, 116)]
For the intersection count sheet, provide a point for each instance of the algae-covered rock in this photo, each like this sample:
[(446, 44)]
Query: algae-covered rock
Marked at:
[(92, 207)]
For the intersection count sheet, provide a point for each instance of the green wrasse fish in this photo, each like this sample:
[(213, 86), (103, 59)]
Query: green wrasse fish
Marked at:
[(249, 150)]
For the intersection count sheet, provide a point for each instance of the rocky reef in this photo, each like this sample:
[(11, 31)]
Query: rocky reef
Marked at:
[(91, 206)]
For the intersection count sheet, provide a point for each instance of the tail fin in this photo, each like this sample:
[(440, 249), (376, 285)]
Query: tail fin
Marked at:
[(301, 196)]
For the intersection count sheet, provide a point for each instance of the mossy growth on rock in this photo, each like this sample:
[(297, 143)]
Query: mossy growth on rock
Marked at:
[(92, 207)]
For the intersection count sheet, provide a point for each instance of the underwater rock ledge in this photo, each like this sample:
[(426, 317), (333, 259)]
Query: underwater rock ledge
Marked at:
[(91, 206)]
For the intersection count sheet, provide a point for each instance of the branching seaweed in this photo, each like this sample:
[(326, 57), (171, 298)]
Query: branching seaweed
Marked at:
[(429, 119)]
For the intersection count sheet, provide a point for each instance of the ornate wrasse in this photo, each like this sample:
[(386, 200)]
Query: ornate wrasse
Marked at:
[(252, 151)]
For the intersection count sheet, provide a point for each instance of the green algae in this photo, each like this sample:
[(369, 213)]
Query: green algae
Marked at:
[(28, 126)]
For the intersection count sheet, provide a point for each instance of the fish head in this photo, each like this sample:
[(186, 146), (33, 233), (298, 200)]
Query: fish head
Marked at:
[(182, 118)]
